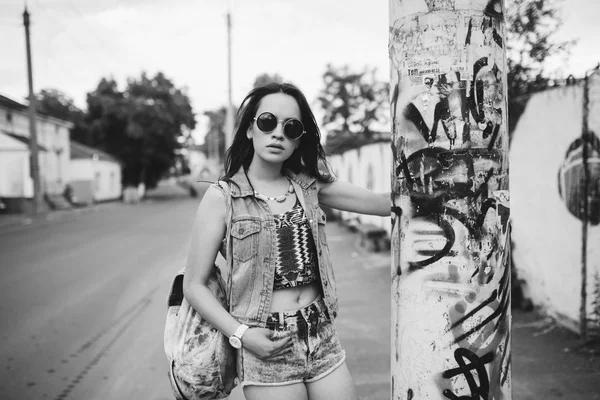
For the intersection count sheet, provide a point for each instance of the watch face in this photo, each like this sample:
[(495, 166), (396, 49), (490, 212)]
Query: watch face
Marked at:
[(235, 342)]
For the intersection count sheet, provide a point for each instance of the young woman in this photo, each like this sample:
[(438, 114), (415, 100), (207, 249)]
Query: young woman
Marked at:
[(283, 297)]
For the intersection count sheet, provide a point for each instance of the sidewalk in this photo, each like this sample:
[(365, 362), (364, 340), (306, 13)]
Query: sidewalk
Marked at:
[(551, 362)]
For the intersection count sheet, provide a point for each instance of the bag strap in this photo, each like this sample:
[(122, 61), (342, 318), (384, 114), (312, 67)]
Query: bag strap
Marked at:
[(228, 247)]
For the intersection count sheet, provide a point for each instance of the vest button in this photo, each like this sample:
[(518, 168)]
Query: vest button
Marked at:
[(241, 231)]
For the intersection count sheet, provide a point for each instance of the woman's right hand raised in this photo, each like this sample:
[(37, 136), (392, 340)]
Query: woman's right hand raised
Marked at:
[(260, 342)]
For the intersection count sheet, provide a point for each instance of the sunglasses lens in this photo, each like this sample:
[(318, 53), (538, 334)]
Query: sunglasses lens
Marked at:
[(266, 122), (293, 129)]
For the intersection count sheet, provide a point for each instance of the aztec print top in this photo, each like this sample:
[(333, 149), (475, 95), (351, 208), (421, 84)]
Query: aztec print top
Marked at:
[(296, 263)]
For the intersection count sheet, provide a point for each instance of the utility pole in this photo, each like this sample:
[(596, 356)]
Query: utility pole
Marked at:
[(586, 143), (229, 121), (451, 317), (33, 148)]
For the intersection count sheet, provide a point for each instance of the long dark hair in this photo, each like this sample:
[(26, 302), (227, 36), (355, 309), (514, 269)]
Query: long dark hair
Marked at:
[(309, 157)]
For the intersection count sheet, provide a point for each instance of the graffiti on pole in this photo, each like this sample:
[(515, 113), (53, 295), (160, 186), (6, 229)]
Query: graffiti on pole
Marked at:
[(451, 230)]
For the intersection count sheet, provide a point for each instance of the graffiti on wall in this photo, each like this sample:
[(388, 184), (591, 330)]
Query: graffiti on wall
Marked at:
[(571, 179), (451, 230)]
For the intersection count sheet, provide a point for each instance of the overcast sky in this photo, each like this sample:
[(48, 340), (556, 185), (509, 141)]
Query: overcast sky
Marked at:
[(76, 42)]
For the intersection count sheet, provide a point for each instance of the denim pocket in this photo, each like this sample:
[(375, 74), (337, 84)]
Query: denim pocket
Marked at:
[(244, 234)]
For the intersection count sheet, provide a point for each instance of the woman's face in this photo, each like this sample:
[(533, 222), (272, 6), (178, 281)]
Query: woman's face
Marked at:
[(274, 146)]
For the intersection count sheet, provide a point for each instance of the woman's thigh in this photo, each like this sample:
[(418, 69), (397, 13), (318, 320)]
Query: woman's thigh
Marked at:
[(295, 391), (337, 385)]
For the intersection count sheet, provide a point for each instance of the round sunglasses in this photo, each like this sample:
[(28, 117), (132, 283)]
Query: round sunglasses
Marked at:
[(293, 128)]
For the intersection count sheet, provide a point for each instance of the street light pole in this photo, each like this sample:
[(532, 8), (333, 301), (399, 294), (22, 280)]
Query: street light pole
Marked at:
[(229, 125), (35, 166), (451, 318)]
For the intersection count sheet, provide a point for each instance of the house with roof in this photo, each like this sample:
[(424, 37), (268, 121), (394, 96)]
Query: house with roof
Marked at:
[(95, 175), (16, 185)]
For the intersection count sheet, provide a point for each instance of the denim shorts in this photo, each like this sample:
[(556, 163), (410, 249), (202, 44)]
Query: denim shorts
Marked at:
[(316, 349)]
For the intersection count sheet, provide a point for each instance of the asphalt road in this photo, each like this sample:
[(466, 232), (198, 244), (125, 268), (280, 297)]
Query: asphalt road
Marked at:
[(84, 300), (83, 303)]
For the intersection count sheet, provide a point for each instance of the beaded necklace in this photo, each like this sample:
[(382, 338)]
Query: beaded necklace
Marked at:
[(279, 199)]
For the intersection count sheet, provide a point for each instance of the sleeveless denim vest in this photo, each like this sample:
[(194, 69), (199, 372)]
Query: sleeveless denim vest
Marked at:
[(252, 246)]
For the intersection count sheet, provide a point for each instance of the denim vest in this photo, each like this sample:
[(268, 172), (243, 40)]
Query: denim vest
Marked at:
[(252, 246)]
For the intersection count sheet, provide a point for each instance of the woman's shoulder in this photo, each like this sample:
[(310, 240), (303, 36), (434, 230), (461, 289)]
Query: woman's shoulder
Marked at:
[(216, 192)]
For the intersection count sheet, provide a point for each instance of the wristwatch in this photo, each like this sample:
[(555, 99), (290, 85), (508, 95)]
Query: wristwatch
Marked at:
[(235, 340)]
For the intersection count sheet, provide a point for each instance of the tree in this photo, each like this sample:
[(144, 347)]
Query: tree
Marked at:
[(265, 78), (355, 104), (143, 126), (532, 25), (56, 104)]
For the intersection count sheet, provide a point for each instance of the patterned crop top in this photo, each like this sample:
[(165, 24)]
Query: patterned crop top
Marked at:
[(297, 262)]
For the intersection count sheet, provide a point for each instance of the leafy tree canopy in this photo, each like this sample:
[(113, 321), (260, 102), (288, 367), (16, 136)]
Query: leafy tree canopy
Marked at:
[(143, 125), (354, 103), (265, 78), (532, 26), (55, 103)]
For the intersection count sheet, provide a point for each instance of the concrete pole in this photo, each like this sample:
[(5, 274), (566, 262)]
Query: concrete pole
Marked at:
[(229, 117), (33, 148), (451, 318)]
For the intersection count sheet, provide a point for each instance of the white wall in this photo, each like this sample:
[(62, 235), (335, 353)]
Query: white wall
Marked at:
[(105, 177), (547, 238), (369, 167), (14, 168), (81, 169)]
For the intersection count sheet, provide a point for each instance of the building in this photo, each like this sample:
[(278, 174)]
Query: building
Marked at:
[(16, 186), (366, 164), (554, 251), (95, 175)]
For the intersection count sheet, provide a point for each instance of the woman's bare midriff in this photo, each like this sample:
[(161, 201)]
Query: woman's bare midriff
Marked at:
[(292, 299)]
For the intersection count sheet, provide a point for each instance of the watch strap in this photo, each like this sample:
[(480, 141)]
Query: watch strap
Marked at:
[(239, 332)]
